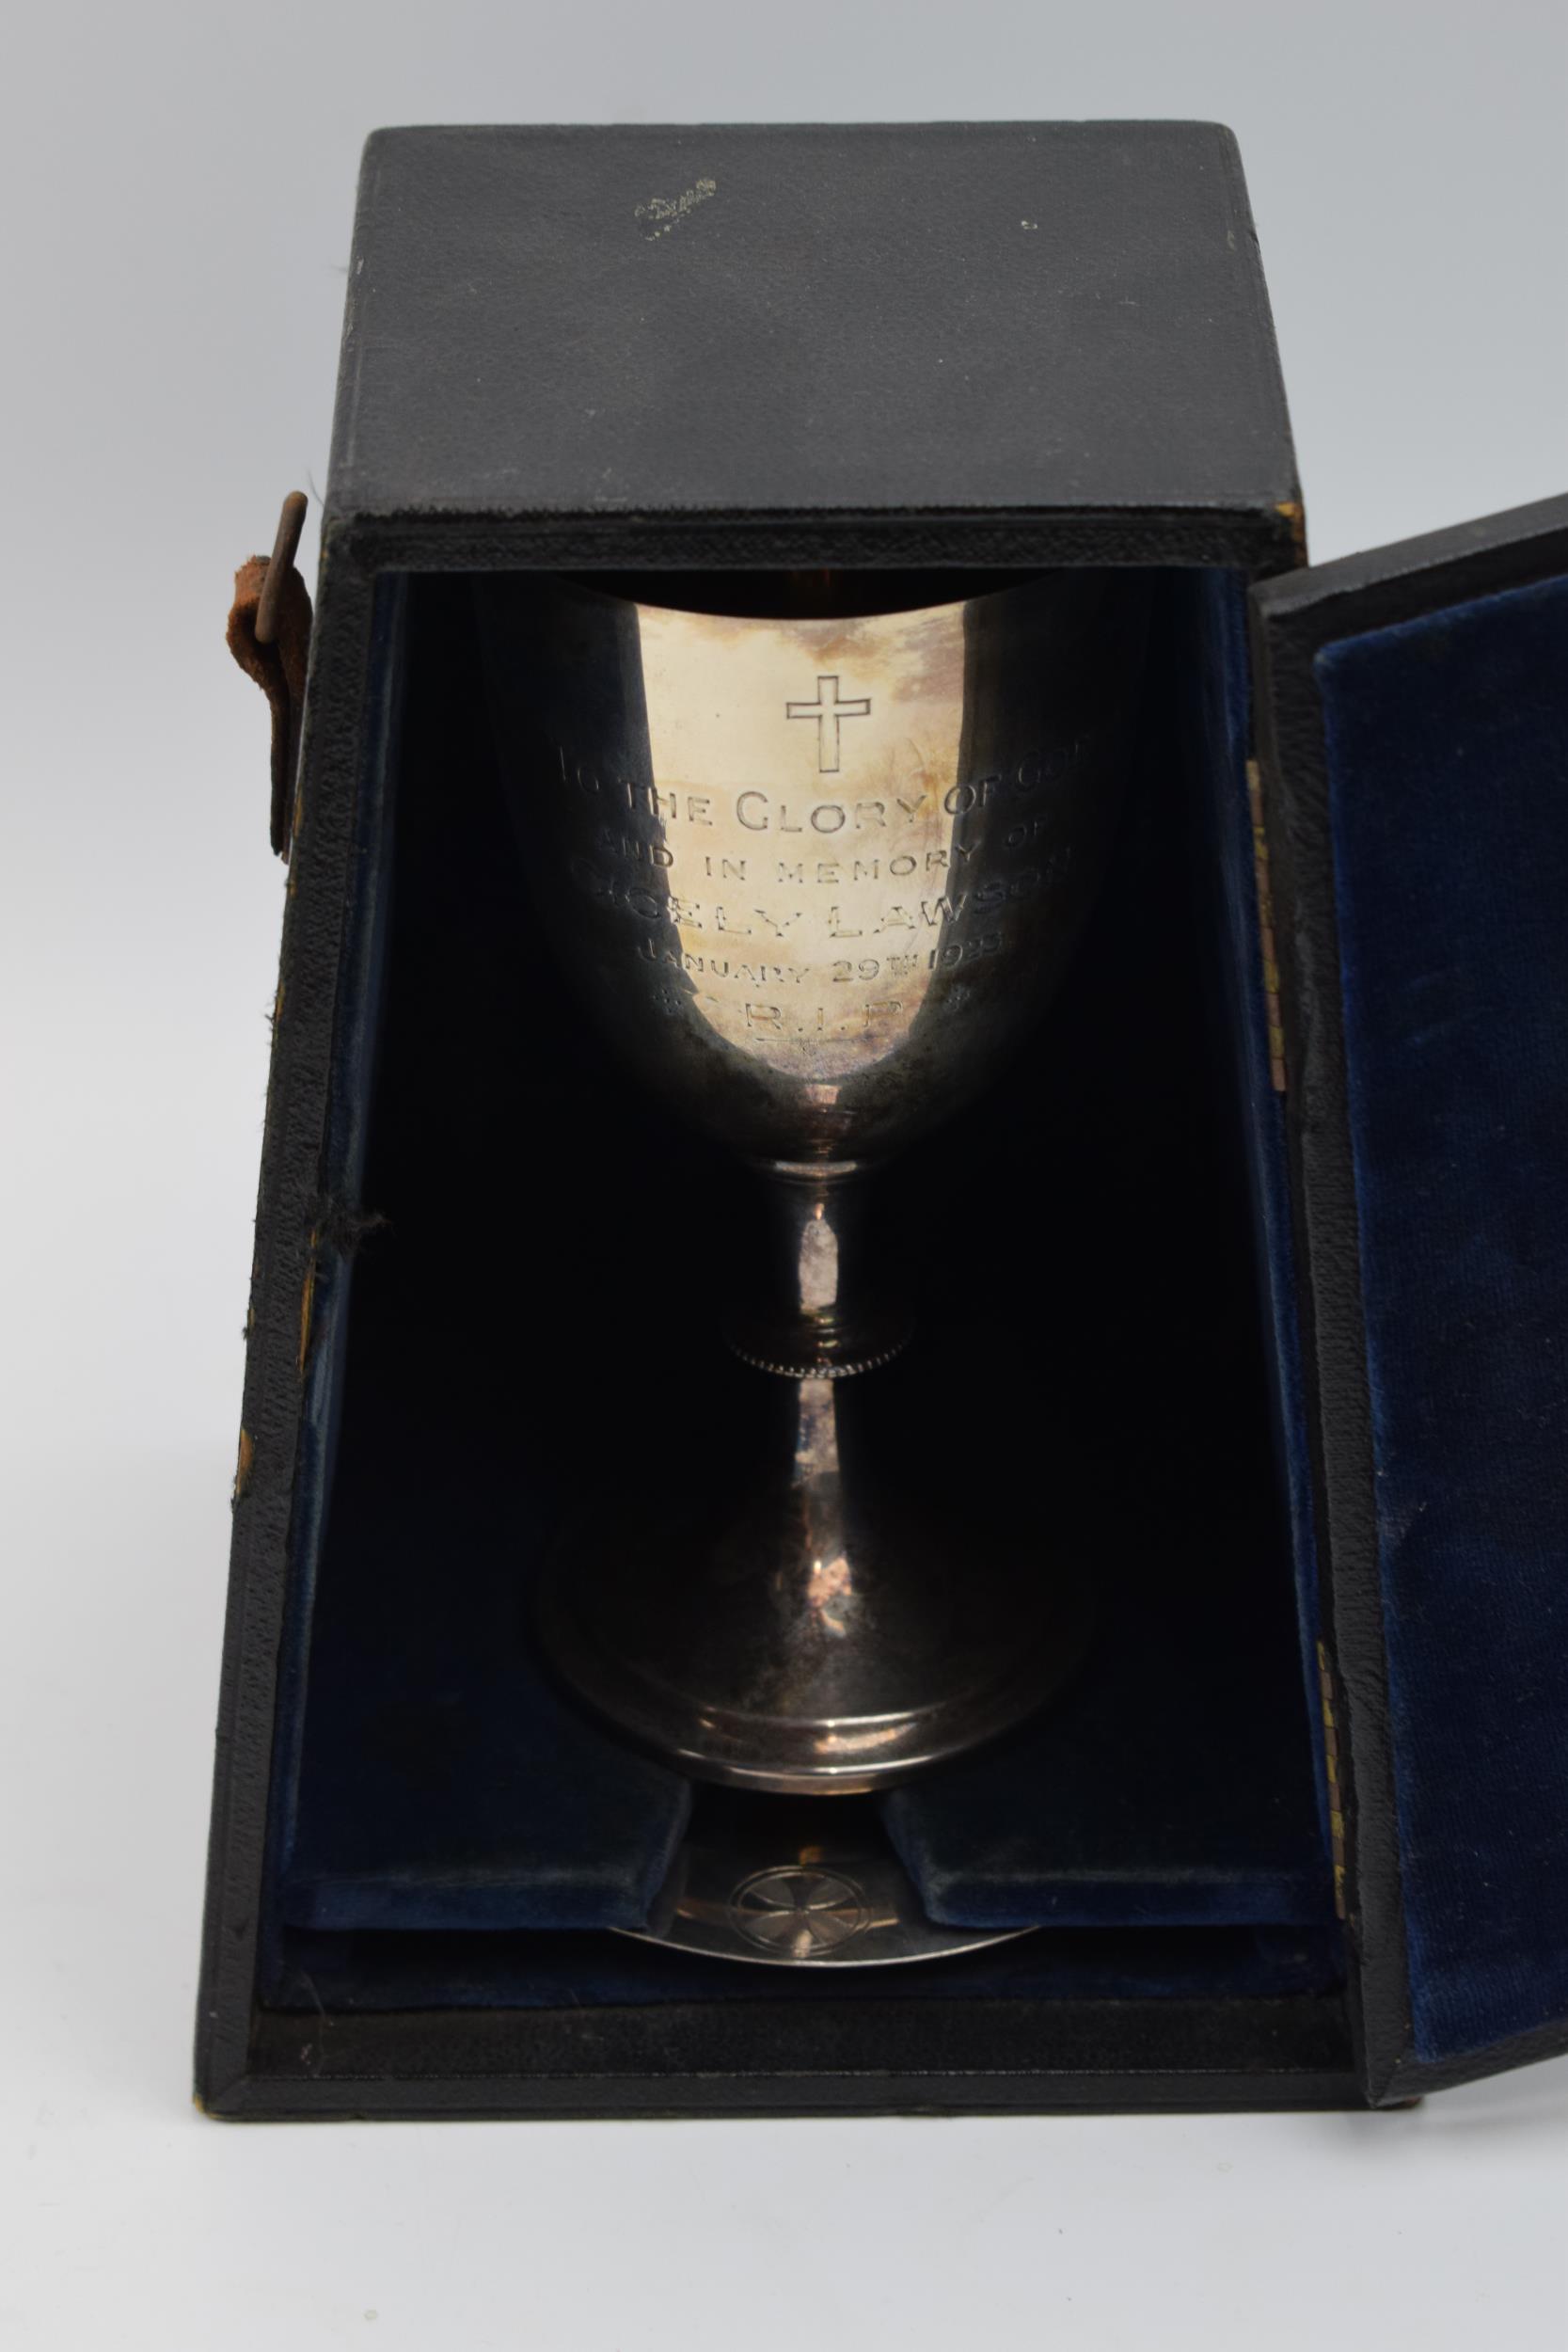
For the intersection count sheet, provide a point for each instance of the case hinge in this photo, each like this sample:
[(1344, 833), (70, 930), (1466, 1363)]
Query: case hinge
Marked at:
[(1265, 929), (1336, 1786)]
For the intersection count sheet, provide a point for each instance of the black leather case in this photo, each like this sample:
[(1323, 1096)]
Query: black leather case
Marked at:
[(1000, 346)]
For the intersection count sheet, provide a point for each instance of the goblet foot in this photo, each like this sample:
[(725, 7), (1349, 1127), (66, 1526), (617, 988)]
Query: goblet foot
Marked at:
[(801, 1893), (820, 1634)]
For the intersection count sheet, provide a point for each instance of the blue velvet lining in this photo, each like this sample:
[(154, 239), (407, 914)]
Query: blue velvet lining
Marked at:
[(431, 1784), (1448, 759), (444, 1783), (1171, 1786)]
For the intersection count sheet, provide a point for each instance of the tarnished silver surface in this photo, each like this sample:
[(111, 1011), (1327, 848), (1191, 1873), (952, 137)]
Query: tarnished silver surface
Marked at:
[(827, 1622), (816, 876), (819, 1903)]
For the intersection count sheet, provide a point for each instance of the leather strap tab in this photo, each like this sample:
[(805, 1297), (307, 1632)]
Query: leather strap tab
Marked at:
[(269, 636)]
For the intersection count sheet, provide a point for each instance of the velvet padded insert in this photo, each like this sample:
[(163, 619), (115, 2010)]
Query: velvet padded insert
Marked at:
[(444, 1782), (1448, 759)]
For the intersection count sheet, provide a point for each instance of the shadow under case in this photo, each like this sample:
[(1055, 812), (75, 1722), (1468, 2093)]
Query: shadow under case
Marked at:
[(1246, 1285)]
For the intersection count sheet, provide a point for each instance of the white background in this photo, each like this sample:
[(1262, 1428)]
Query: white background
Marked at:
[(179, 187)]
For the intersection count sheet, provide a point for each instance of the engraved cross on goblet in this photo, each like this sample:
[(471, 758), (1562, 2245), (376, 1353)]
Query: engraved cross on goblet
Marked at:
[(816, 943), (828, 710)]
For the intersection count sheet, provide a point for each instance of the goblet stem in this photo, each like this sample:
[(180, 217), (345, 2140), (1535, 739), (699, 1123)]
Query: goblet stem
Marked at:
[(819, 1317)]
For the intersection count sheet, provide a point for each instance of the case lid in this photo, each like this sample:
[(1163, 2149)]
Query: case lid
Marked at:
[(1414, 732), (738, 323)]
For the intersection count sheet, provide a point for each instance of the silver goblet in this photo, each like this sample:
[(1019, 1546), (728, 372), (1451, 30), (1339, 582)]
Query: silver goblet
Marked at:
[(816, 874)]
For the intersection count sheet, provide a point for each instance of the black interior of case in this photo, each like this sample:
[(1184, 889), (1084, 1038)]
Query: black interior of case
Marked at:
[(520, 1307)]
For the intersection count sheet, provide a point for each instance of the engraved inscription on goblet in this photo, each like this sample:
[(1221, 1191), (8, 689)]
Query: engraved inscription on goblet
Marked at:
[(816, 875)]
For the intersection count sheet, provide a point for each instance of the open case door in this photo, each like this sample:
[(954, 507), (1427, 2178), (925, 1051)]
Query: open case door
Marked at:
[(1413, 742)]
